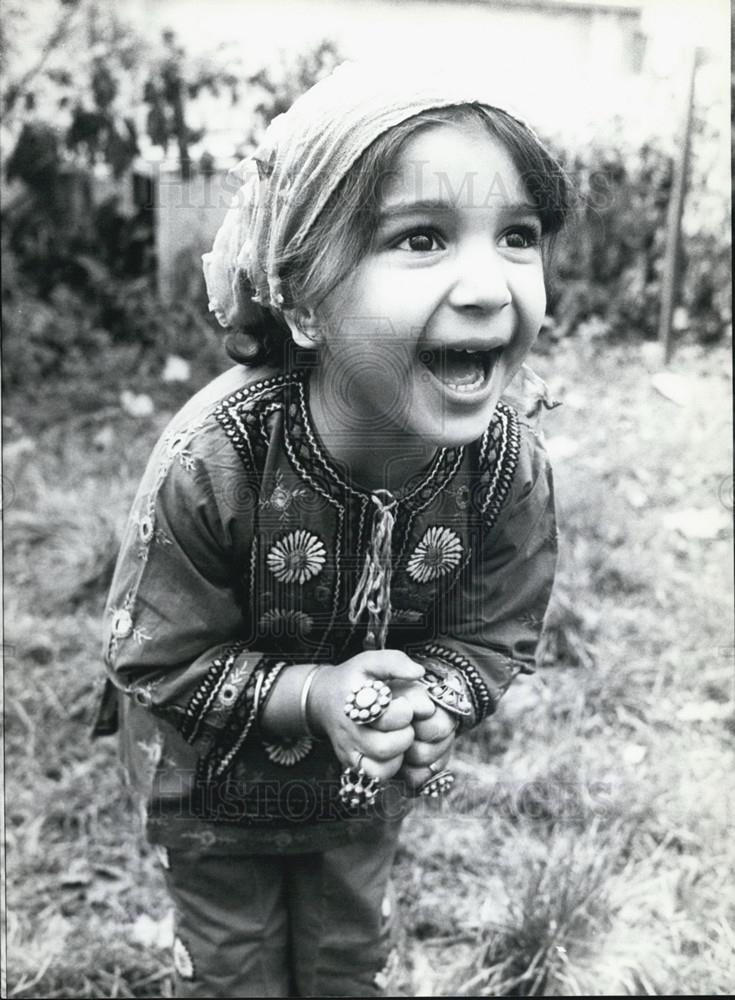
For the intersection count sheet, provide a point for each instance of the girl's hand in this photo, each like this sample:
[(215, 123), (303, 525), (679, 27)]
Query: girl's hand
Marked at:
[(384, 743), (433, 745)]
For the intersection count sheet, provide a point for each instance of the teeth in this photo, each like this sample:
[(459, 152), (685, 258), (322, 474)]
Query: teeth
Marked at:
[(467, 386)]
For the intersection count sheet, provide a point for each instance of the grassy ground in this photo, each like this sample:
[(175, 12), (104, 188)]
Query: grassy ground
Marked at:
[(586, 847)]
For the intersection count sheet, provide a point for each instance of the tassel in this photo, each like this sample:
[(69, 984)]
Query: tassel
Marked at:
[(373, 589)]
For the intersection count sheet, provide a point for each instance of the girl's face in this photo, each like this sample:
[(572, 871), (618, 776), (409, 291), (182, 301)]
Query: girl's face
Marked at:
[(421, 339)]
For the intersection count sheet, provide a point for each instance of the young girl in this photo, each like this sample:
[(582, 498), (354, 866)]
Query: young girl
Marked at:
[(342, 549)]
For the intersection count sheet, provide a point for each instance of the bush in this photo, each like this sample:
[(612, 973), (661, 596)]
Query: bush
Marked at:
[(609, 266)]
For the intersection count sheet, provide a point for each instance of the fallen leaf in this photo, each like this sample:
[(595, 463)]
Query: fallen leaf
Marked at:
[(672, 387), (704, 524), (634, 753), (706, 711)]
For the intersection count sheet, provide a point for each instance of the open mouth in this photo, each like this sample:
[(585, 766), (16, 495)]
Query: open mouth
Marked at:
[(461, 370)]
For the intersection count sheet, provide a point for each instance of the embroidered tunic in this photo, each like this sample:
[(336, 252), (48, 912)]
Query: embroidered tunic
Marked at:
[(244, 548)]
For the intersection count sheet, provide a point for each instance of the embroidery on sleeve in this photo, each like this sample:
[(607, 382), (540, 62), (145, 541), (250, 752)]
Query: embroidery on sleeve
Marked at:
[(123, 626), (144, 520), (218, 680), (281, 497)]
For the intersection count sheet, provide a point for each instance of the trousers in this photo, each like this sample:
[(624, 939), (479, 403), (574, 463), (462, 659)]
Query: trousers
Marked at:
[(305, 925)]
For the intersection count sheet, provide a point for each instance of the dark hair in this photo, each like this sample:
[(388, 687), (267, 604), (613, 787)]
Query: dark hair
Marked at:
[(344, 230)]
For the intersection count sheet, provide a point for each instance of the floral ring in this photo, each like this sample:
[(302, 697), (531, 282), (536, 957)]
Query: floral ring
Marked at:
[(436, 785), (356, 789), (368, 702)]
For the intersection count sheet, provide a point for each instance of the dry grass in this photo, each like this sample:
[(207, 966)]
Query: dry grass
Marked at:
[(586, 849)]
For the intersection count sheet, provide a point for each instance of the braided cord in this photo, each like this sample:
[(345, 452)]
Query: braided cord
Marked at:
[(372, 593)]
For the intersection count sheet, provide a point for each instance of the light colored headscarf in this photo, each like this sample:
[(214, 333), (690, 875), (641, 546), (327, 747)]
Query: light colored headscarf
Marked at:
[(304, 155)]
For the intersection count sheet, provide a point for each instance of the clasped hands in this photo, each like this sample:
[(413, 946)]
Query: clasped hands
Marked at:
[(410, 735)]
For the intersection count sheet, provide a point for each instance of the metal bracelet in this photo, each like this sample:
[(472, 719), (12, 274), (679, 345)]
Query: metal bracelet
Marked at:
[(447, 691), (303, 708)]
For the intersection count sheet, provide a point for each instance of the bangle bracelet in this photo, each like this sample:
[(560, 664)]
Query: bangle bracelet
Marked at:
[(256, 695), (304, 714)]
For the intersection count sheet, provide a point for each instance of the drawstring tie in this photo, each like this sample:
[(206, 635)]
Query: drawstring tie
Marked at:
[(373, 589)]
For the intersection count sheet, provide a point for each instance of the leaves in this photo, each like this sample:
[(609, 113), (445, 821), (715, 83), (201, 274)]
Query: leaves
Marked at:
[(35, 158)]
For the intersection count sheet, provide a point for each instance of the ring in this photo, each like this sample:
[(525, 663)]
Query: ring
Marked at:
[(434, 767), (356, 789), (436, 785), (368, 702)]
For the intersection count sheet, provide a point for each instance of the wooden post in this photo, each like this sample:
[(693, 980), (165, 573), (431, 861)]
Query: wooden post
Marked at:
[(673, 223)]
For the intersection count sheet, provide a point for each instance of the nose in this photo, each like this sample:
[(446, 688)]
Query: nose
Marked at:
[(481, 281)]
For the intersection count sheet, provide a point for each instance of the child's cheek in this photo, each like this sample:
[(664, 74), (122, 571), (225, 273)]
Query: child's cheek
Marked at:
[(531, 308)]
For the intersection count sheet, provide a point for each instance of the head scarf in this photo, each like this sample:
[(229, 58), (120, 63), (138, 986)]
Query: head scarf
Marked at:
[(304, 155)]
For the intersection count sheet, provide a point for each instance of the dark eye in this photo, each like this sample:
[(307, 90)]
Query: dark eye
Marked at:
[(421, 241), (522, 237)]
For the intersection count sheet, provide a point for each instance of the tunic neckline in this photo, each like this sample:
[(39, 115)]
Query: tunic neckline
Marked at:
[(441, 466)]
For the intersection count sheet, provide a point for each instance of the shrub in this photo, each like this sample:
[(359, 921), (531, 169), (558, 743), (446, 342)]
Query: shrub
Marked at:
[(609, 266)]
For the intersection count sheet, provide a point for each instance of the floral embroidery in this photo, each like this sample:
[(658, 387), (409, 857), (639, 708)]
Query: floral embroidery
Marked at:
[(405, 616), (293, 624), (182, 960), (439, 551), (230, 691), (530, 618), (297, 557), (288, 752), (122, 623), (205, 838), (176, 447), (145, 529), (205, 696), (281, 498), (462, 496)]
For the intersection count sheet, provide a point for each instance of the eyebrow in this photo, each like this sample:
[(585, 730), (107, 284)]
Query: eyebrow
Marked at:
[(397, 209), (422, 205)]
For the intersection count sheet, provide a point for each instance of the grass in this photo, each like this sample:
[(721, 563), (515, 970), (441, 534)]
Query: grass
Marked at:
[(586, 849)]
